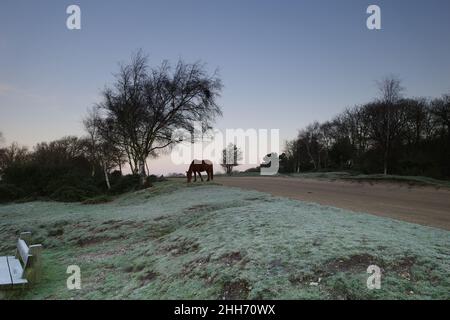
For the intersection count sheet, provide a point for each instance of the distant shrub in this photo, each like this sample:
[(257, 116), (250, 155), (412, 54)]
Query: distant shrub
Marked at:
[(73, 180), (147, 184), (153, 178), (98, 200), (115, 174), (9, 192), (124, 184), (46, 180), (69, 194), (65, 183)]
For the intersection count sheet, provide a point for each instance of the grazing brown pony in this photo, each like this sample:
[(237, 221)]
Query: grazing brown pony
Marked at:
[(198, 166)]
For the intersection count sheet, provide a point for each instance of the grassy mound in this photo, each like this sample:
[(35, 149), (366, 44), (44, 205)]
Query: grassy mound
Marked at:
[(205, 241)]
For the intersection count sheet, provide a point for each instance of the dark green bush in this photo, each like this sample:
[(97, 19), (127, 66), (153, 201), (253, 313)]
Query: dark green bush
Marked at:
[(72, 180), (9, 192), (46, 179), (62, 182), (124, 184), (98, 200), (69, 194), (153, 178)]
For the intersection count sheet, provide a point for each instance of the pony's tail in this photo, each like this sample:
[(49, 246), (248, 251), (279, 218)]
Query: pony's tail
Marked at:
[(212, 172)]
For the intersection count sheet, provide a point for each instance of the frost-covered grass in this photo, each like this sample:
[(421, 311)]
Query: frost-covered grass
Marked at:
[(206, 241)]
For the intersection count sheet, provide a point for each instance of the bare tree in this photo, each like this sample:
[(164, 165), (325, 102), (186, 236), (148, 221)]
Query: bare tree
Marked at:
[(91, 127), (391, 92), (390, 89), (2, 154), (13, 154), (440, 110), (292, 154), (231, 156), (417, 126), (101, 149), (310, 137), (146, 105), (387, 125)]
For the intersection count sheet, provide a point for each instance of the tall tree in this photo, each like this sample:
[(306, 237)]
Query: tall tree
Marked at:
[(311, 137), (391, 92), (145, 105), (440, 111), (13, 154), (231, 155), (102, 150)]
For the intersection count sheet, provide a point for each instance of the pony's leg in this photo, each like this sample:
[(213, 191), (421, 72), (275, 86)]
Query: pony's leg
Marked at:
[(195, 176), (208, 173), (200, 175)]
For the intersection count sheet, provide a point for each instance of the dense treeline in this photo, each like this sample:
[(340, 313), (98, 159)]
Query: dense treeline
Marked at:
[(60, 170), (390, 135)]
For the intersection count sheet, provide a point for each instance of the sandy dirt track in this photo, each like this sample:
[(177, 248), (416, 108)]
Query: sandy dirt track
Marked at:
[(423, 205)]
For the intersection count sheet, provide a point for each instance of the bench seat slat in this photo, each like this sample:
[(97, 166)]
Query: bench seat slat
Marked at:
[(5, 276), (16, 271)]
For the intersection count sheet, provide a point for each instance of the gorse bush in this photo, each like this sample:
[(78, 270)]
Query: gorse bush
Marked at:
[(124, 184), (62, 183), (47, 180), (9, 192), (70, 194), (62, 170), (89, 184), (98, 199), (153, 178)]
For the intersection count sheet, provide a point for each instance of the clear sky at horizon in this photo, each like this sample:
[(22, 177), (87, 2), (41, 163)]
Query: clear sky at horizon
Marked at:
[(284, 63)]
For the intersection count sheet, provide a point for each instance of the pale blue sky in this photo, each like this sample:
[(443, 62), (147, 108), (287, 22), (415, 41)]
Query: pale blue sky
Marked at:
[(283, 63)]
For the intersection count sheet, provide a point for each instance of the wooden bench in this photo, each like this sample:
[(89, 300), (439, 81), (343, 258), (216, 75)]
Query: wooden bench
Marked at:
[(22, 269)]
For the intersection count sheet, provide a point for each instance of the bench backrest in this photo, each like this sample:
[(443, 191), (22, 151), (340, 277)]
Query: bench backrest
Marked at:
[(22, 251), (30, 256)]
